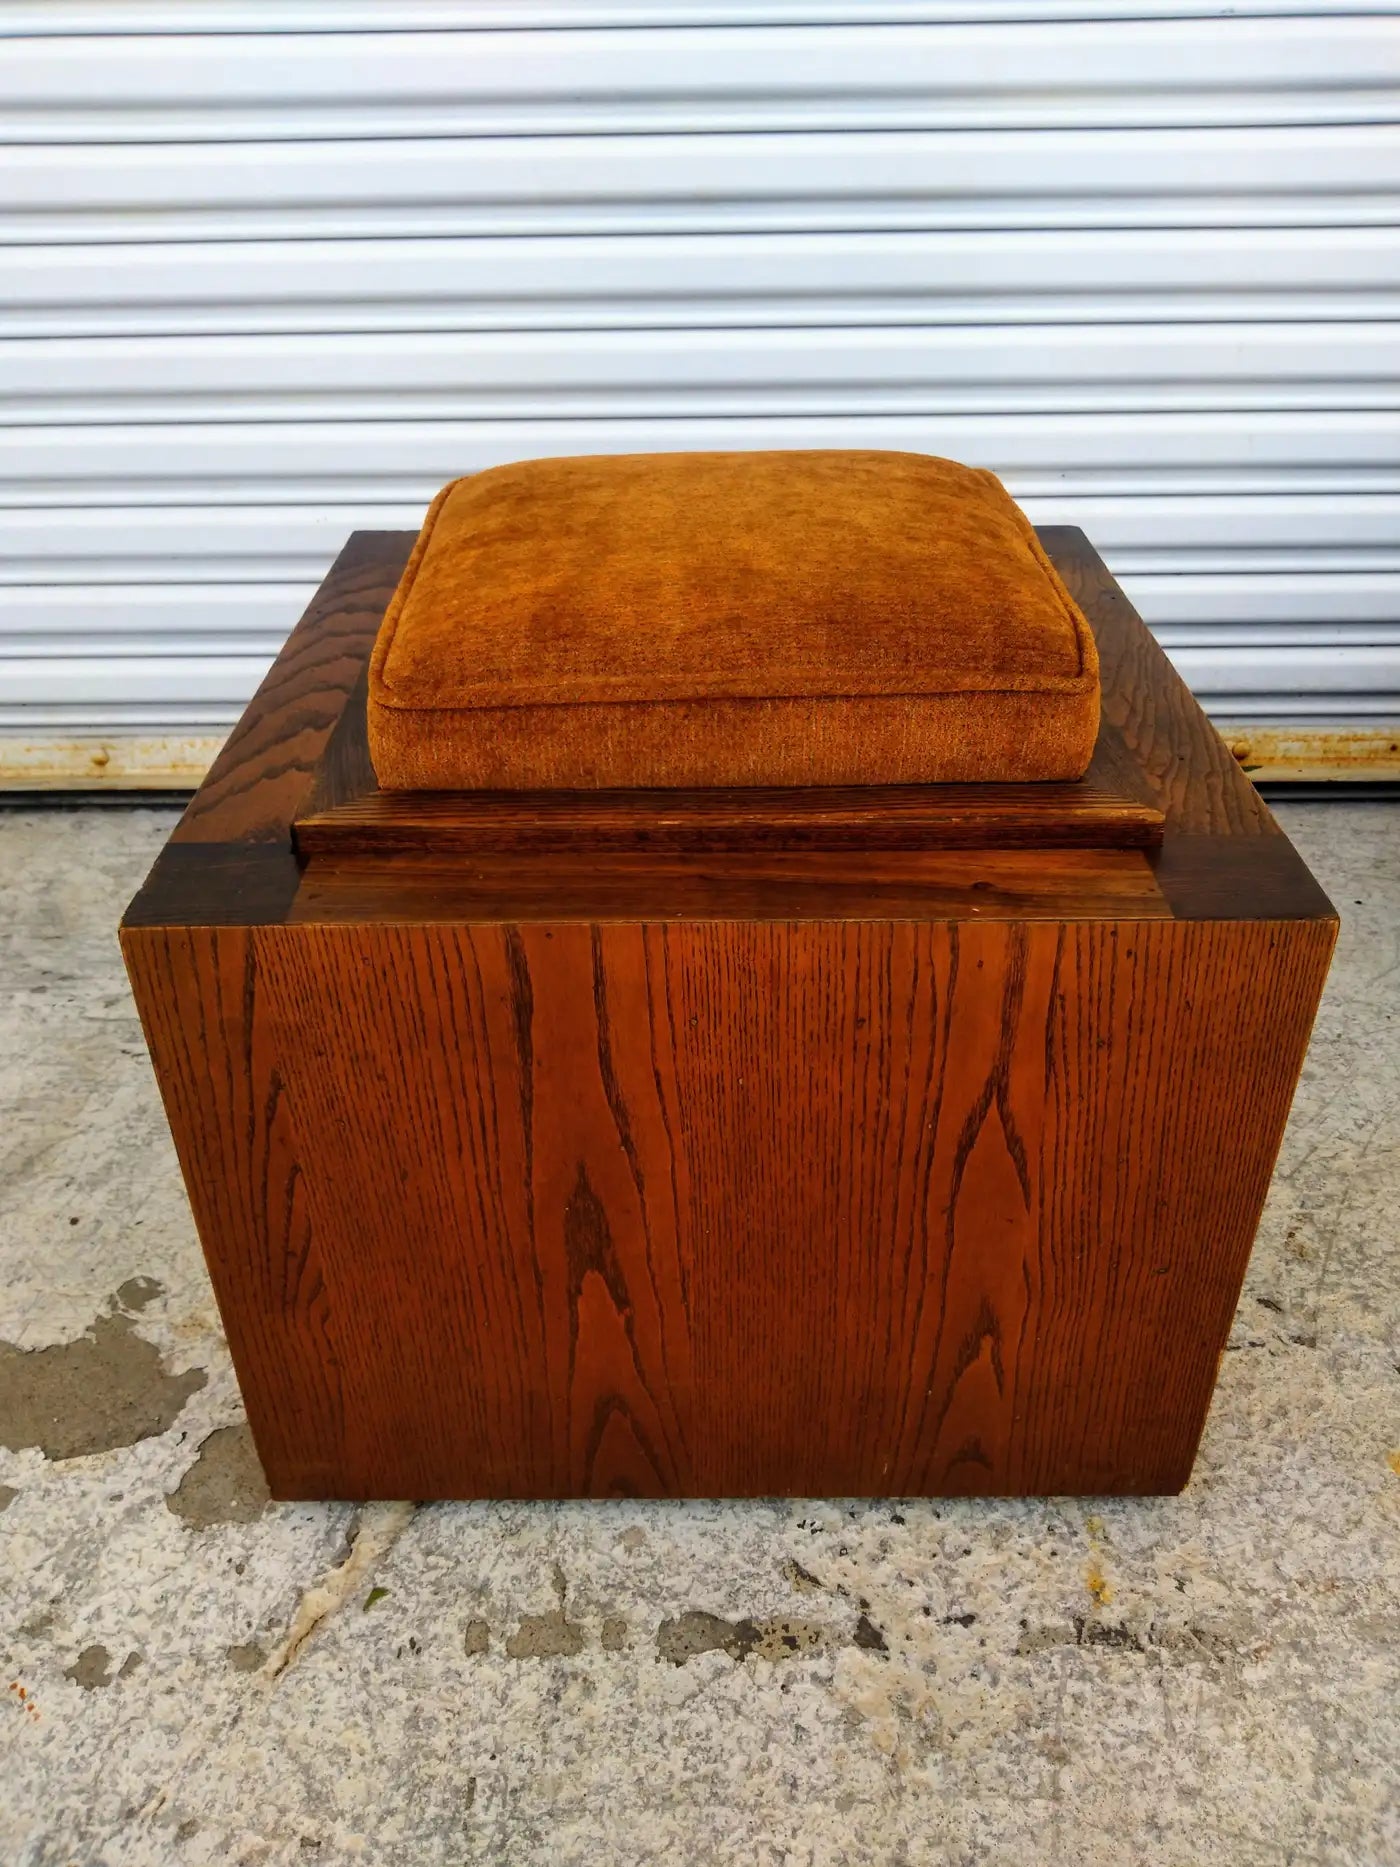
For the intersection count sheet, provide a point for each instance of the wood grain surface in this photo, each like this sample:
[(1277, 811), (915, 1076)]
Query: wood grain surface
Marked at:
[(1187, 765), (819, 885), (736, 1210), (394, 823), (265, 770), (202, 1007)]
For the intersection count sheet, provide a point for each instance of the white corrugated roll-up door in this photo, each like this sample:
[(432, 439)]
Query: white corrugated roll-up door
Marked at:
[(274, 269)]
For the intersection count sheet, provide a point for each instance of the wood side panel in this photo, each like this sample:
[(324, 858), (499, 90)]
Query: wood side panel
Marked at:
[(782, 886), (515, 1306), (1171, 1061), (265, 770), (1246, 878), (1186, 764), (216, 885), (734, 1209), (202, 1013), (1223, 856), (385, 824), (344, 771)]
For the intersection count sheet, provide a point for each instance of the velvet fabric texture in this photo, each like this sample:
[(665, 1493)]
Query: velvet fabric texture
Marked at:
[(831, 617)]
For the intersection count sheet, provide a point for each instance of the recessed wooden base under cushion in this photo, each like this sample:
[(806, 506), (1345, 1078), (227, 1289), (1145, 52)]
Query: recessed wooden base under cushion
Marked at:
[(347, 814), (807, 1172), (813, 618)]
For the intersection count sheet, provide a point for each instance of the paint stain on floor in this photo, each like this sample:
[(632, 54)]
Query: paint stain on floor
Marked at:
[(697, 1631), (245, 1656), (225, 1484), (108, 1388), (545, 1637), (93, 1668)]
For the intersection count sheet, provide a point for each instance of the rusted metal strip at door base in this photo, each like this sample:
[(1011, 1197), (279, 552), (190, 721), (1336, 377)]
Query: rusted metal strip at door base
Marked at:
[(1308, 754), (106, 762), (1311, 754)]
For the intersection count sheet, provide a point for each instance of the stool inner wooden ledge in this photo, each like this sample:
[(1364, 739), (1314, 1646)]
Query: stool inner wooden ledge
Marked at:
[(725, 1144)]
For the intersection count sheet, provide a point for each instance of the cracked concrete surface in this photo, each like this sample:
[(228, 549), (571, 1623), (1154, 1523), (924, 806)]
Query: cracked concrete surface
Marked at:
[(195, 1675)]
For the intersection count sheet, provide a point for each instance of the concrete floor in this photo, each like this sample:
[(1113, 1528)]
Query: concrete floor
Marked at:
[(194, 1675)]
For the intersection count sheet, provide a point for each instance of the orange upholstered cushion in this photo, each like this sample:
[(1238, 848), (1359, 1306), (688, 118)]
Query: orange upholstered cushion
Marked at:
[(814, 618)]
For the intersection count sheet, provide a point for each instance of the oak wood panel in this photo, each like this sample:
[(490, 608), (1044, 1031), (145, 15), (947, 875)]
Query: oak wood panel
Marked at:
[(217, 885), (1208, 866), (265, 769), (387, 823), (735, 1209), (202, 1010), (1206, 877), (1188, 767), (1171, 1064), (344, 771), (785, 886)]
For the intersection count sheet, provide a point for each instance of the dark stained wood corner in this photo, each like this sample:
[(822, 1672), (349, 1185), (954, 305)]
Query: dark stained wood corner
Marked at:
[(268, 764)]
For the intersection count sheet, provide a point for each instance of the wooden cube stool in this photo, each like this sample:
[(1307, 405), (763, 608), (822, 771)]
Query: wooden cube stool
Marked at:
[(725, 1144)]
